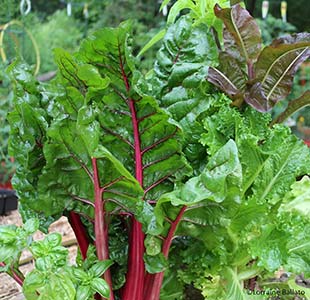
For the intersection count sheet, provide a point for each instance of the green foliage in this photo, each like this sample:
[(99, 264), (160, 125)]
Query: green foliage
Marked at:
[(165, 174), (6, 98), (59, 30), (231, 233), (52, 276), (273, 28)]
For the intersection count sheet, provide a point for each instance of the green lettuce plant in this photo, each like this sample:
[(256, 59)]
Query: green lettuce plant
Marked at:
[(166, 177)]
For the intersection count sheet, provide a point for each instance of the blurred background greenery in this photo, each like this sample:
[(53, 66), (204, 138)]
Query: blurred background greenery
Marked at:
[(61, 23)]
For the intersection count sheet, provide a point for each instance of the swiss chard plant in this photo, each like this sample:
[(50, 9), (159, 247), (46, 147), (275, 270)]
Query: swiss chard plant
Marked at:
[(167, 183)]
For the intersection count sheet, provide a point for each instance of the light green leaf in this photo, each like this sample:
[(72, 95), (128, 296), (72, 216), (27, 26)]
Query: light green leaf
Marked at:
[(155, 39), (298, 199), (153, 245), (155, 263), (31, 226), (304, 291), (178, 7), (84, 292), (101, 287), (223, 176), (234, 286), (100, 267)]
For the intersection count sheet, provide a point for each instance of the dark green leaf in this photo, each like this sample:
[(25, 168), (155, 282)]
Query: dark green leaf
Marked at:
[(178, 82)]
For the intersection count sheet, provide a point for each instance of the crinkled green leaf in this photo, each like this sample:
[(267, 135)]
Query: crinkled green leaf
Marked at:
[(178, 81), (155, 263), (221, 179), (270, 247), (224, 174), (298, 199), (279, 165), (153, 245)]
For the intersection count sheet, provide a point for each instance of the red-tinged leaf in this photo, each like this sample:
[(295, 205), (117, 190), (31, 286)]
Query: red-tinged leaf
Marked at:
[(234, 69), (283, 50), (244, 30), (275, 69), (220, 79), (293, 106)]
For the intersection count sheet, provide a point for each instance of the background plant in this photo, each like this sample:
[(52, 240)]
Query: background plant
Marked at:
[(6, 97)]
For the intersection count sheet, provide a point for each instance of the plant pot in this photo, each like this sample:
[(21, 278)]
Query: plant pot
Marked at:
[(8, 201)]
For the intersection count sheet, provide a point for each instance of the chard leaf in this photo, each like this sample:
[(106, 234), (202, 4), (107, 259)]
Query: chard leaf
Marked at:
[(130, 115), (275, 68), (185, 52), (178, 82), (155, 263), (242, 31), (100, 112)]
